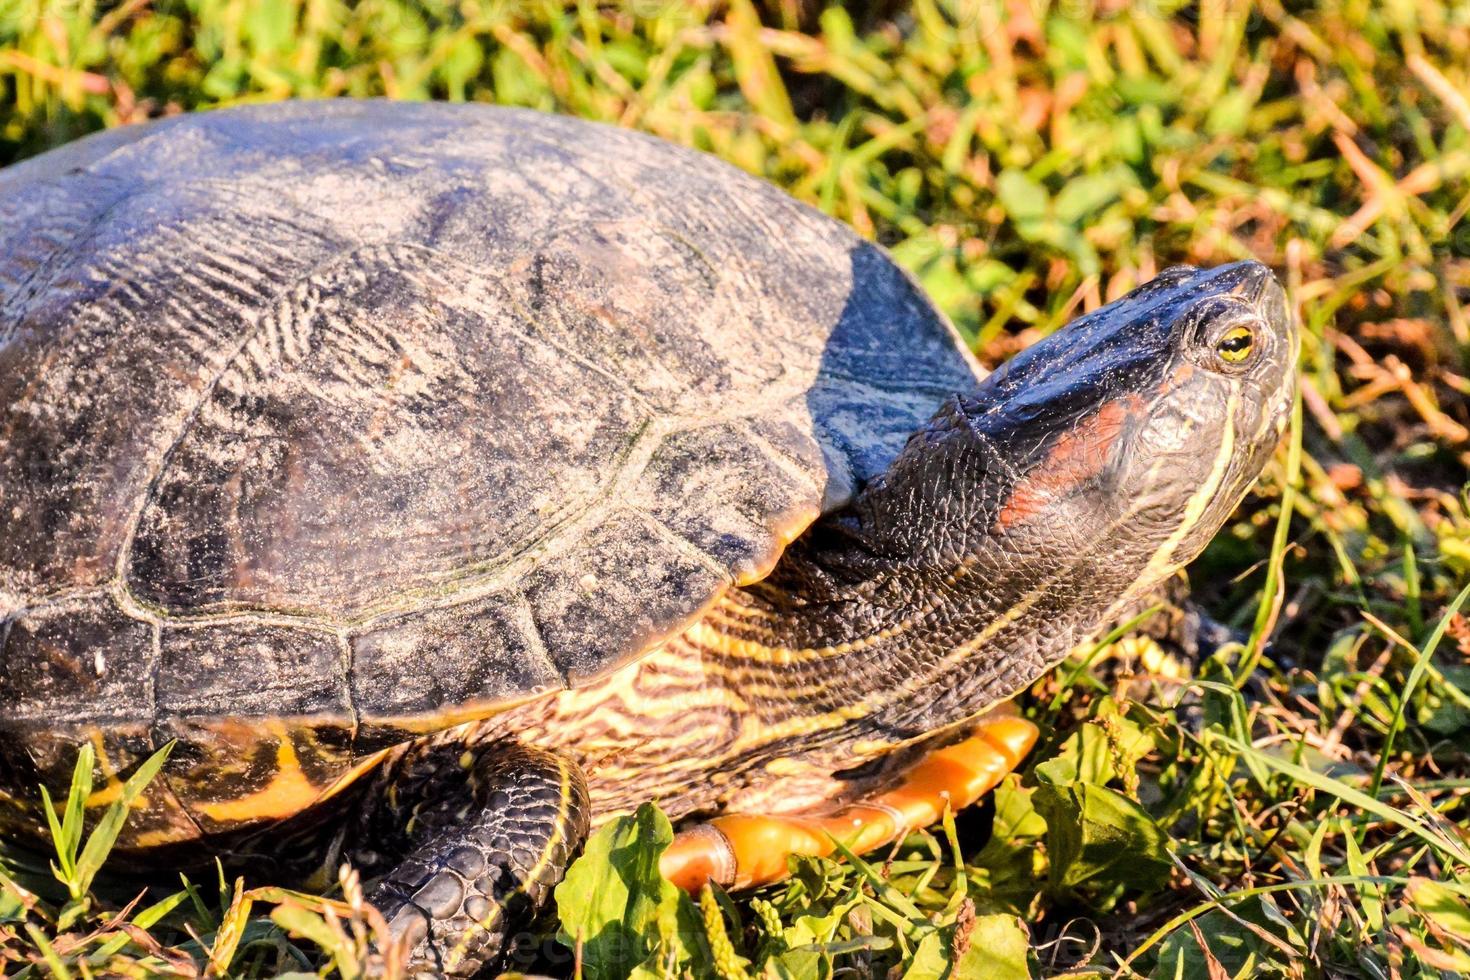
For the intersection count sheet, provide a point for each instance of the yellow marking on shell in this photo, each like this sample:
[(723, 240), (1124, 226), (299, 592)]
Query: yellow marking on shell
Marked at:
[(108, 795), (432, 724), (289, 791), (112, 792), (287, 794), (354, 773), (154, 838)]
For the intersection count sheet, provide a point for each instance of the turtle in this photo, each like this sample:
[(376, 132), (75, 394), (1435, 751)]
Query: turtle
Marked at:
[(441, 481)]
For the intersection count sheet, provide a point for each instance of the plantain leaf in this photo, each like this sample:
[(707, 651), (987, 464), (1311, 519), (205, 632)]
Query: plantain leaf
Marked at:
[(617, 908), (1023, 198), (1100, 839), (1089, 193), (1010, 865), (998, 947), (931, 957)]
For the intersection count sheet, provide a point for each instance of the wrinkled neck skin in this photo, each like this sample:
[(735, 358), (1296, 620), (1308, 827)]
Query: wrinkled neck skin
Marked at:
[(959, 577)]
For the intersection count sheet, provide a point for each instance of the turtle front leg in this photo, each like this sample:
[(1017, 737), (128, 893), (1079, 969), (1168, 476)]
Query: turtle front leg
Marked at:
[(746, 850), (486, 832)]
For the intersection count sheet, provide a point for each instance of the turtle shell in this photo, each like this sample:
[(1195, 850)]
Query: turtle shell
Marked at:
[(381, 416)]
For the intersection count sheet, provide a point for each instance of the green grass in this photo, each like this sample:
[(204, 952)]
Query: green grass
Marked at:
[(1291, 809)]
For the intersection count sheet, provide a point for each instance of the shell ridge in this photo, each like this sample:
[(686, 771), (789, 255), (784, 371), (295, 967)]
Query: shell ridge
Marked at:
[(682, 544), (524, 619), (783, 461)]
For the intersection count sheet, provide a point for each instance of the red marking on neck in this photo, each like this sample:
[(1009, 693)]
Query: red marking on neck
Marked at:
[(1076, 456)]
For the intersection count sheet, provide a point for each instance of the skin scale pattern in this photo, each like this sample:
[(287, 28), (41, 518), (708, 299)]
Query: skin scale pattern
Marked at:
[(329, 426)]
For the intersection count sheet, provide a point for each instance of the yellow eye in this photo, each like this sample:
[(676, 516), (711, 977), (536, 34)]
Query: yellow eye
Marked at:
[(1235, 346)]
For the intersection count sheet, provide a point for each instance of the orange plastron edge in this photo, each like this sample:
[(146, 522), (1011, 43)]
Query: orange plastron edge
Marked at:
[(745, 850)]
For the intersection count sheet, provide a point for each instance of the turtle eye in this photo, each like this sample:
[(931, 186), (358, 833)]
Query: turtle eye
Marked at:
[(1235, 345)]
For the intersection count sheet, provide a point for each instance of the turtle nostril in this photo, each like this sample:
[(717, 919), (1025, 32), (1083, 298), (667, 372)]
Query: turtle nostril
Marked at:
[(1252, 281)]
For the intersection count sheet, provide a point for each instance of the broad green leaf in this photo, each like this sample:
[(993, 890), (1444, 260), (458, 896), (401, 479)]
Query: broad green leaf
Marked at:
[(614, 902), (801, 963), (818, 929), (1446, 909), (1088, 755), (1010, 866), (1088, 193), (999, 945), (1015, 814), (1099, 838), (1023, 198), (270, 24), (931, 957), (810, 942)]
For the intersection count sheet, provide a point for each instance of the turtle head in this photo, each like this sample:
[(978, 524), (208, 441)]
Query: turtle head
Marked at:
[(1145, 421), (1027, 514)]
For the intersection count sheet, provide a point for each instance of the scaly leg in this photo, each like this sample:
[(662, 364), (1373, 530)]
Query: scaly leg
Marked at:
[(487, 832), (746, 850)]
